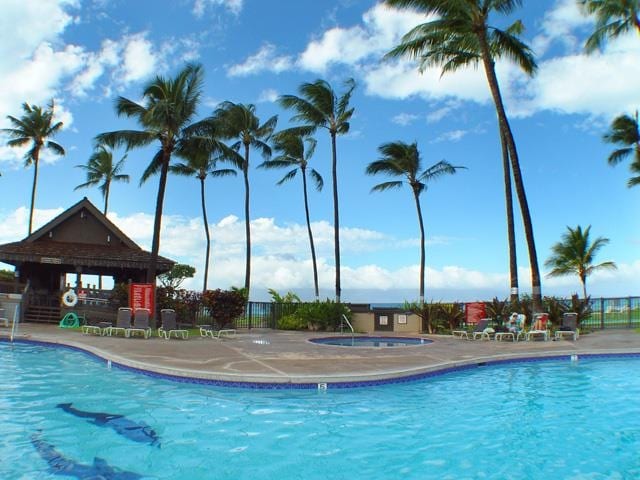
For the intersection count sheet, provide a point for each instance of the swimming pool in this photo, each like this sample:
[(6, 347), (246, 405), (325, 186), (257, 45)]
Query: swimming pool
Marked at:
[(365, 341), (533, 420)]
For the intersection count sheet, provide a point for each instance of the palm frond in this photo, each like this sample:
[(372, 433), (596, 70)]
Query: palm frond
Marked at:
[(381, 187), (289, 176)]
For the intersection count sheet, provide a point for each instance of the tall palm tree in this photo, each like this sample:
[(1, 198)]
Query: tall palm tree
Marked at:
[(625, 131), (201, 155), (240, 122), (613, 18), (35, 126), (461, 36), (318, 106), (575, 254), (295, 151), (100, 168), (165, 115), (400, 159)]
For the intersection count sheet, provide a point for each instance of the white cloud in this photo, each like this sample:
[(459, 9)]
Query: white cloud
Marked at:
[(405, 119), (451, 136), (559, 25), (139, 59), (264, 60), (200, 6), (268, 95)]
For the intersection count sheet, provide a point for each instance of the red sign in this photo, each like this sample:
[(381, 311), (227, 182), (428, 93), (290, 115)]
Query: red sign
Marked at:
[(141, 295), (475, 312)]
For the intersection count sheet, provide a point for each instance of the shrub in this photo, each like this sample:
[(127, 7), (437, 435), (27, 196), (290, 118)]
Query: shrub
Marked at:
[(498, 310), (325, 315), (224, 305), (291, 322)]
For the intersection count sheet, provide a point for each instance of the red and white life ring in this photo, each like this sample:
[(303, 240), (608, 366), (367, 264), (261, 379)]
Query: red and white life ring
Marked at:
[(69, 298)]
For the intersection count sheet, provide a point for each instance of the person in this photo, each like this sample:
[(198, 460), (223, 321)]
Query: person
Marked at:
[(541, 321), (513, 323)]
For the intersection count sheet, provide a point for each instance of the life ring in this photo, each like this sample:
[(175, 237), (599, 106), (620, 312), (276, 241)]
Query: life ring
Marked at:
[(69, 298)]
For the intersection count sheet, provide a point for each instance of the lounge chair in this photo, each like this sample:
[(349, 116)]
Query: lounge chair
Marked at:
[(169, 327), (123, 322), (482, 331), (569, 327), (92, 328), (140, 323), (214, 331), (539, 327)]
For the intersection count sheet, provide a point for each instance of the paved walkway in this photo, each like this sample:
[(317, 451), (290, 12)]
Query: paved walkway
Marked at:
[(268, 356)]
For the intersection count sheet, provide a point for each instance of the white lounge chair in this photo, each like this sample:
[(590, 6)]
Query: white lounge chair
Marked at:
[(569, 327), (140, 323), (123, 322), (214, 332), (539, 327), (169, 325)]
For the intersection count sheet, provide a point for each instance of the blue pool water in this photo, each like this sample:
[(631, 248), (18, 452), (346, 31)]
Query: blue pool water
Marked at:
[(349, 341), (536, 420)]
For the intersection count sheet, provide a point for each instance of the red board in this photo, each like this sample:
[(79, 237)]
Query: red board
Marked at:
[(141, 295), (474, 312)]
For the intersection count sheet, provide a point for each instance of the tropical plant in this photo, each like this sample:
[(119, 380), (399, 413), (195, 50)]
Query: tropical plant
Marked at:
[(452, 314), (35, 126), (318, 106), (7, 276), (575, 254), (240, 122), (289, 297), (460, 36), (427, 312), (225, 306), (400, 159), (582, 307), (498, 310), (325, 315), (625, 131), (613, 18), (100, 168), (294, 156), (178, 274), (201, 155), (555, 307), (165, 114)]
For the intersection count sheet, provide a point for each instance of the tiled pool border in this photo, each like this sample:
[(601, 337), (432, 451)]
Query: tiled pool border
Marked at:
[(328, 385)]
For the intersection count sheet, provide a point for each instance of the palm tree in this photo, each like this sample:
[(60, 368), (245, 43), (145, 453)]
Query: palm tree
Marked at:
[(240, 122), (401, 159), (625, 131), (100, 168), (613, 18), (167, 109), (318, 106), (461, 36), (35, 126), (295, 152), (575, 254), (201, 155)]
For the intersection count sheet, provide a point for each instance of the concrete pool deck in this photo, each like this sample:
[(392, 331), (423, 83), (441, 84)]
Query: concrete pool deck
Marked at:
[(267, 356)]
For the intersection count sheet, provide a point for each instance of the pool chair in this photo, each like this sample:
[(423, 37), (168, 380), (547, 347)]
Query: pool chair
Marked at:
[(123, 322), (481, 330), (214, 331), (4, 320), (569, 327), (169, 326), (539, 327), (140, 323)]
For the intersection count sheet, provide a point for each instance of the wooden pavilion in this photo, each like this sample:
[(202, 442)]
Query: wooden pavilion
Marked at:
[(80, 241)]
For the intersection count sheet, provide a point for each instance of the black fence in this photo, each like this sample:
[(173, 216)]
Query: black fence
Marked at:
[(621, 312), (265, 314)]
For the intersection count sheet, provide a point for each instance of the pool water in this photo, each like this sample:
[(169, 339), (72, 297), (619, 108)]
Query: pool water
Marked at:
[(535, 420), (349, 341)]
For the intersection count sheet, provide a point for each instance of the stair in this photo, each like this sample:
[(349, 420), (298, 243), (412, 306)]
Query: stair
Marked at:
[(42, 314)]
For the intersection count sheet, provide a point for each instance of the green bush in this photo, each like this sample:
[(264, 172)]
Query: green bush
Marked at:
[(291, 322), (224, 305), (322, 315)]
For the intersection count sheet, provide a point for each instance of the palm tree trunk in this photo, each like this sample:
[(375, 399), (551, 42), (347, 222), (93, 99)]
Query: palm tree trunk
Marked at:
[(422, 242), (336, 219), (157, 222), (247, 226), (313, 248), (36, 158), (505, 129), (206, 232), (106, 198), (511, 236), (583, 280)]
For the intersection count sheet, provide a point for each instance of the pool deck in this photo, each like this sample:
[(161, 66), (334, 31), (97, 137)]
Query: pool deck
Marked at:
[(277, 357)]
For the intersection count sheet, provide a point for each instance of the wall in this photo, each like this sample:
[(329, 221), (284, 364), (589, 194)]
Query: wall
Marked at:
[(9, 301), (364, 322)]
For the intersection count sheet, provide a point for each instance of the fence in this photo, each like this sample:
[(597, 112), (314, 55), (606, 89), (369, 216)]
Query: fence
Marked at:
[(614, 313), (264, 314)]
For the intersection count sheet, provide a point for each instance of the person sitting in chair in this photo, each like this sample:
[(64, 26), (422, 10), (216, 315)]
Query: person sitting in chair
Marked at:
[(512, 324)]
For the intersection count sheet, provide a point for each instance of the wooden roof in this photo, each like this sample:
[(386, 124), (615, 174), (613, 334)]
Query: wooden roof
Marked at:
[(81, 236)]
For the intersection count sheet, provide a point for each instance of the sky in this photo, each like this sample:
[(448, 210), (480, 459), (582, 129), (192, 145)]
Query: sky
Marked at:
[(86, 53)]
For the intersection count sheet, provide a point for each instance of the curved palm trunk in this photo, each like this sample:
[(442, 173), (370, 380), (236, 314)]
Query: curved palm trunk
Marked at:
[(206, 232), (247, 226), (583, 280), (336, 219), (36, 158), (422, 248), (511, 235), (106, 197), (505, 130), (313, 248), (157, 222)]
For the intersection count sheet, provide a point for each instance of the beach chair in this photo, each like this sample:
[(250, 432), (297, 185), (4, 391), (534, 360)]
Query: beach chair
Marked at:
[(123, 322), (169, 326), (4, 320), (569, 327), (539, 327), (140, 323), (214, 331), (481, 330)]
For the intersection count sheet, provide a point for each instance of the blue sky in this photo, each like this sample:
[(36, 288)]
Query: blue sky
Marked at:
[(85, 53)]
